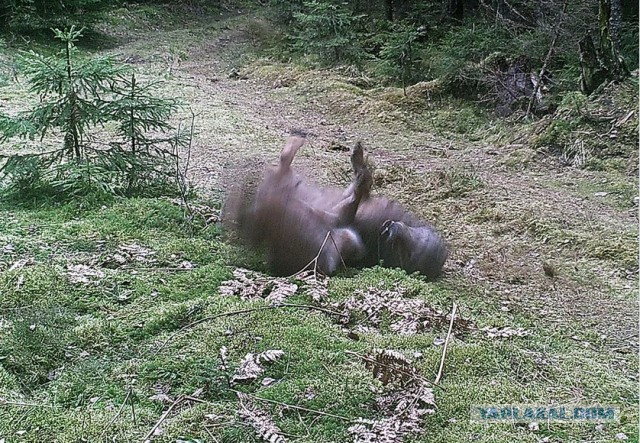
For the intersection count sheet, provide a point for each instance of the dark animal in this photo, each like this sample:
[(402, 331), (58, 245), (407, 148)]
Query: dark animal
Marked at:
[(396, 238), (299, 222)]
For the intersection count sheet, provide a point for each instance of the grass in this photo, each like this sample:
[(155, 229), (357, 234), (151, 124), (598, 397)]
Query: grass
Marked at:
[(71, 353)]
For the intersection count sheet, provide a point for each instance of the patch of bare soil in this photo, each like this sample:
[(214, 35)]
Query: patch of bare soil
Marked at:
[(516, 235)]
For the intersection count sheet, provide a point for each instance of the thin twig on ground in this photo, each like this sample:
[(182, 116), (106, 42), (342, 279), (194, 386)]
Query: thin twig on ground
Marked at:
[(163, 417), (446, 343), (117, 414), (246, 311), (287, 405), (181, 173), (19, 403)]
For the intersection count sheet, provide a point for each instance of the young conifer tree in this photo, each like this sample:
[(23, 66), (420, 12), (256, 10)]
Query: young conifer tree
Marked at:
[(79, 97)]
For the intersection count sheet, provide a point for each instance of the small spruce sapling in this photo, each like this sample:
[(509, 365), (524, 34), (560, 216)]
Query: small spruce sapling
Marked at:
[(80, 99)]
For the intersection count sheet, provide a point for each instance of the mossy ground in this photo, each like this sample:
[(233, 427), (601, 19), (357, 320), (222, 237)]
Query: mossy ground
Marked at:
[(81, 361)]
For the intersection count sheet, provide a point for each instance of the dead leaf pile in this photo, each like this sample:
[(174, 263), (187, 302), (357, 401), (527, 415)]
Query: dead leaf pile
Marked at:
[(83, 274), (130, 253), (315, 286), (404, 406), (409, 316), (259, 420), (161, 393), (251, 367), (250, 285)]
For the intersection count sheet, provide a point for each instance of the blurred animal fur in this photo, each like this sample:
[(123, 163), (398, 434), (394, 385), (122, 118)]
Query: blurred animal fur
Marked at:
[(299, 222)]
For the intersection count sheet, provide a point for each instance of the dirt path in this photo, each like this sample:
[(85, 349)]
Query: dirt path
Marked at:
[(501, 231)]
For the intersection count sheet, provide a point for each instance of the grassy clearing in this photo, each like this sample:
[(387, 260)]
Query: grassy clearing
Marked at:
[(71, 353), (103, 359)]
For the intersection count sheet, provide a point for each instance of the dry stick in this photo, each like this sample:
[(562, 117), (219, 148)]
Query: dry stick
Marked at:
[(163, 417), (287, 405), (122, 406), (446, 342), (17, 403), (133, 411), (246, 311), (334, 244), (191, 133), (181, 176), (546, 61), (315, 259)]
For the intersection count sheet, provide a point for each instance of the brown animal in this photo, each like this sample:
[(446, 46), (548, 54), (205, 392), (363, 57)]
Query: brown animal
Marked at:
[(297, 222)]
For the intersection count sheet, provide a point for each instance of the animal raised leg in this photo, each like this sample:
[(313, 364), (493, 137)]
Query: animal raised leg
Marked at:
[(301, 223), (392, 235)]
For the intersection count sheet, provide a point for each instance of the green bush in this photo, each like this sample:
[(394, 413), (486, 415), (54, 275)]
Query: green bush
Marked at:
[(398, 54), (327, 32), (78, 97)]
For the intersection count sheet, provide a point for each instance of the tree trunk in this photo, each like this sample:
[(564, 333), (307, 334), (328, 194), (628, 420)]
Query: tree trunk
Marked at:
[(615, 22), (605, 62), (611, 58), (592, 73)]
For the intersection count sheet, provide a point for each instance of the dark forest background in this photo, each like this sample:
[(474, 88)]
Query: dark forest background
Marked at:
[(511, 55)]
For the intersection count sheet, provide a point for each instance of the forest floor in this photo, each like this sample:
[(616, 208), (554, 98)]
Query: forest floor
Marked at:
[(506, 210)]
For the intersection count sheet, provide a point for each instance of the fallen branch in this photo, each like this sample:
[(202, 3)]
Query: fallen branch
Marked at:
[(18, 403), (181, 174), (246, 311), (115, 417), (163, 417), (300, 408), (446, 343)]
